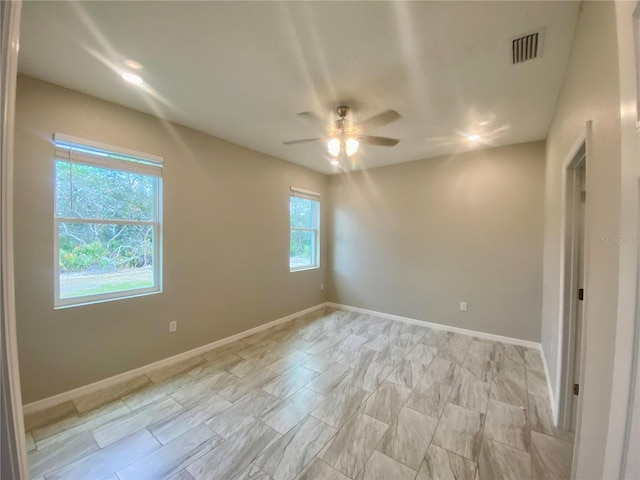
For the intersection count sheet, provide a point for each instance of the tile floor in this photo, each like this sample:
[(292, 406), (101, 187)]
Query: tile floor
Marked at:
[(331, 395)]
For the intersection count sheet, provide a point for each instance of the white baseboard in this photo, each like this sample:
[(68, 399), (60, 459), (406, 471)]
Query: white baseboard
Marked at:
[(116, 379), (552, 397), (464, 331)]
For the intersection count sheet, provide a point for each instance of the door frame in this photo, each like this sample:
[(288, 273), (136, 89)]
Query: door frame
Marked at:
[(570, 280), (14, 460)]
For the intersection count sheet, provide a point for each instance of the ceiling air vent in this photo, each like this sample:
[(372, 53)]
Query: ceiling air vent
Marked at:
[(526, 47)]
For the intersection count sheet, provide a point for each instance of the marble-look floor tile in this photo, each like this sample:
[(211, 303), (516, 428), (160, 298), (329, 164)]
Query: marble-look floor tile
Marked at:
[(391, 356), (202, 389), (385, 403), (60, 454), (244, 412), (429, 397), (469, 392), (252, 473), (358, 358), (442, 370), (550, 457), (156, 391), (352, 446), (459, 431), (186, 420), (422, 354), (338, 407), (408, 437), (289, 412), (286, 457), (173, 457), (348, 344), (328, 381), (108, 394), (263, 349), (181, 475), (370, 376), (533, 360), (319, 470), (506, 390), (105, 462), (49, 415), (319, 363), (440, 464), (434, 338), (249, 367), (479, 361), (540, 416), (507, 424), (132, 422), (232, 456), (381, 467), (377, 343), (290, 382), (214, 365), (251, 382), (164, 373), (290, 362), (70, 426), (501, 461), (536, 383), (408, 373)]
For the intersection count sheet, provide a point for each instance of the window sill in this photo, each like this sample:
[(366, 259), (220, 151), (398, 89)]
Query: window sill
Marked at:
[(94, 301), (304, 269)]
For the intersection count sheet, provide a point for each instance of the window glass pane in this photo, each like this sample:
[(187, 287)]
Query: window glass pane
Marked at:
[(302, 249), (302, 212), (85, 191), (103, 258)]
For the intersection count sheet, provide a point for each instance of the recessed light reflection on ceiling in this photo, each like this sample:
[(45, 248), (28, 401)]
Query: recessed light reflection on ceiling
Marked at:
[(133, 64), (335, 163), (473, 138), (132, 78)]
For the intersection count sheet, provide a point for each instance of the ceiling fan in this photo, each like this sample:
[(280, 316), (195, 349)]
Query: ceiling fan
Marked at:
[(345, 139)]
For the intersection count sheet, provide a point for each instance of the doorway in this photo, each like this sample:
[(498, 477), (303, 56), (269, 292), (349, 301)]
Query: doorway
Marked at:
[(573, 289)]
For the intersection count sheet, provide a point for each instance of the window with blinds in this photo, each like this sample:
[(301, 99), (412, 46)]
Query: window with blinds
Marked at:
[(304, 238), (107, 220)]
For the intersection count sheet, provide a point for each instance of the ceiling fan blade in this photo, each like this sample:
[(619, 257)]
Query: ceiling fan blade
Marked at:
[(291, 142), (313, 118), (382, 141), (379, 120)]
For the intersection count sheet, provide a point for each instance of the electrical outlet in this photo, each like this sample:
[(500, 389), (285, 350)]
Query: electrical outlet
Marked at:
[(322, 286), (463, 306), (173, 326)]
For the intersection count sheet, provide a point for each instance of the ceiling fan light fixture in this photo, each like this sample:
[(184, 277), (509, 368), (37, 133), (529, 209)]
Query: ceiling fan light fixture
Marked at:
[(351, 146), (333, 146)]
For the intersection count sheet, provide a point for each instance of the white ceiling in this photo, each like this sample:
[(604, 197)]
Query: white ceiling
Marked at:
[(243, 70)]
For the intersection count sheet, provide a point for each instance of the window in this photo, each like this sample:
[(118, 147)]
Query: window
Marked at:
[(304, 245), (107, 222)]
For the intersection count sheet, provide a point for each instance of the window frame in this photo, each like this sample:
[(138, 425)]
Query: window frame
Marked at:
[(150, 165), (314, 197)]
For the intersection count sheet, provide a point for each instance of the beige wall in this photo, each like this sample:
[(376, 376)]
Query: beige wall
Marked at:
[(418, 238), (226, 242), (590, 92)]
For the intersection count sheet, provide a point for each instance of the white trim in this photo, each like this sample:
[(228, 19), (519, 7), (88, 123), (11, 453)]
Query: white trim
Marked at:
[(305, 192), (447, 328), (13, 431), (554, 404), (103, 146), (111, 381), (559, 360)]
